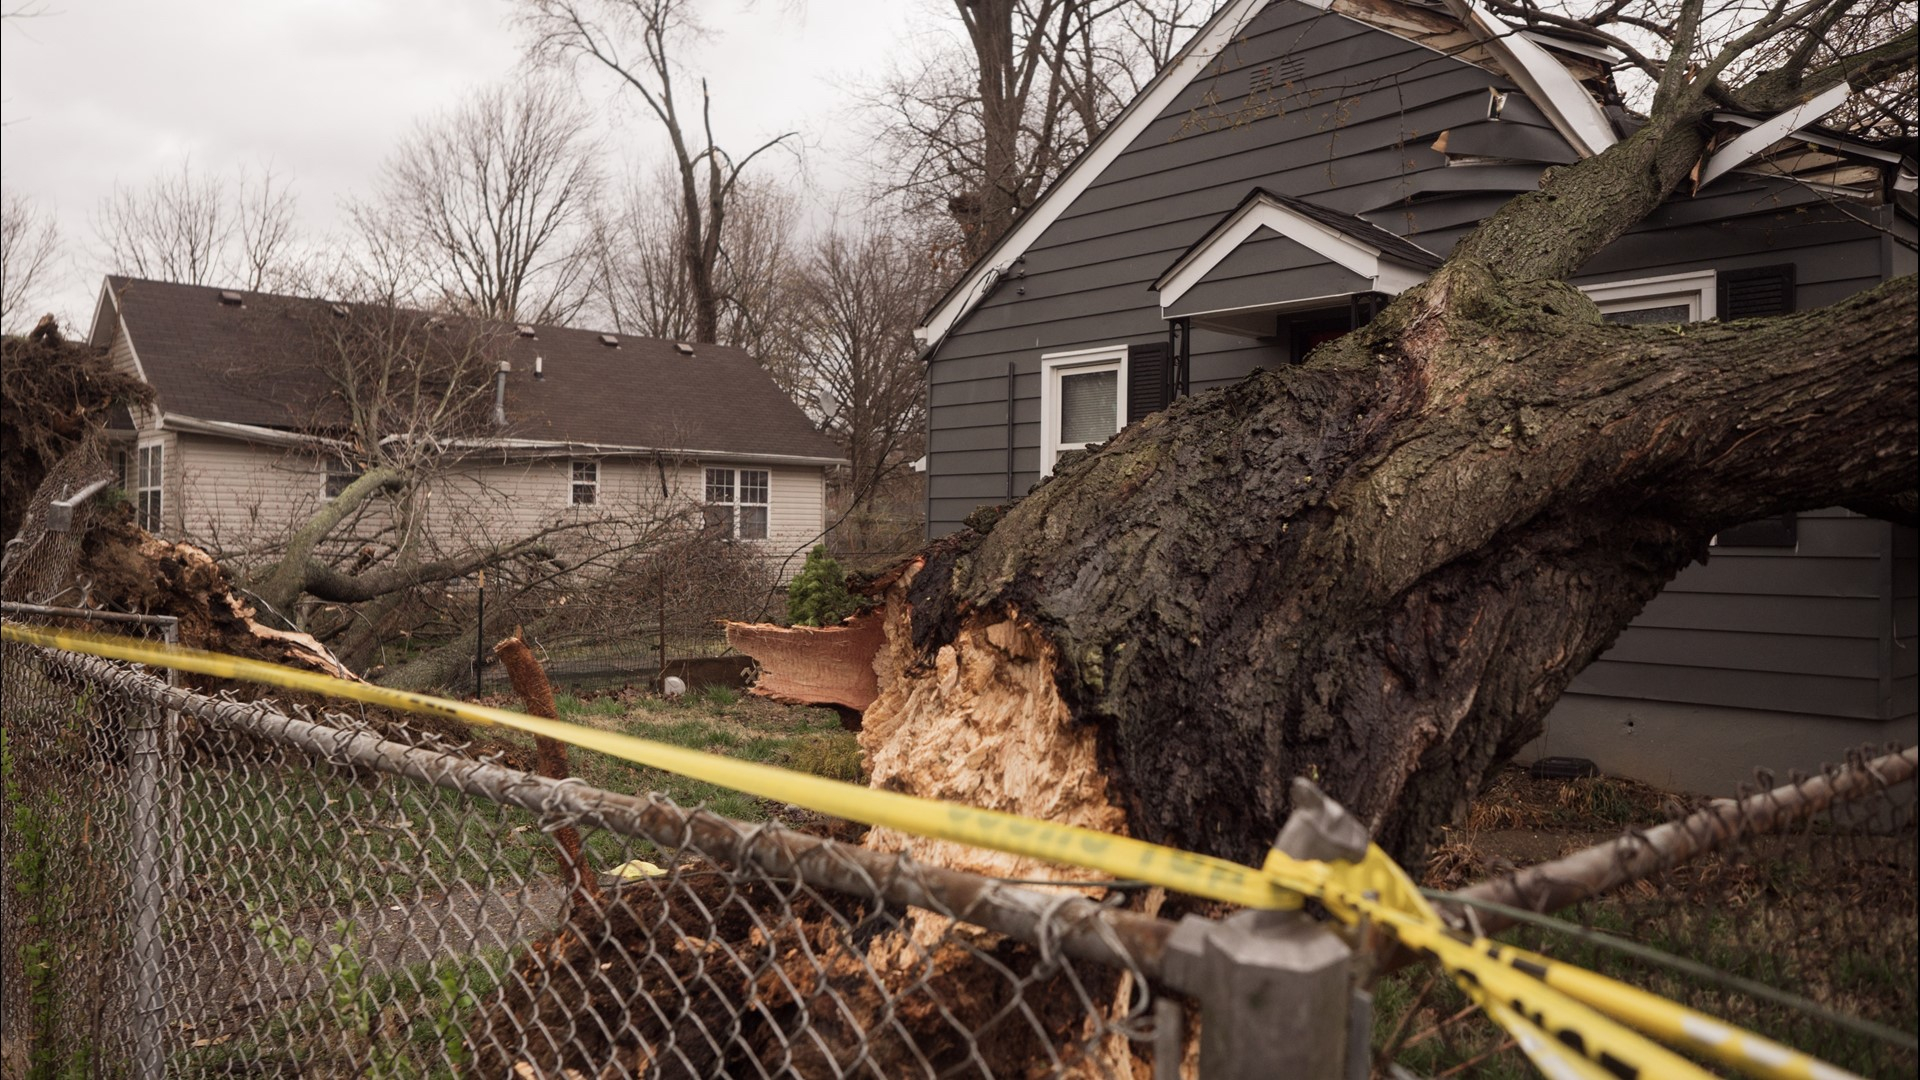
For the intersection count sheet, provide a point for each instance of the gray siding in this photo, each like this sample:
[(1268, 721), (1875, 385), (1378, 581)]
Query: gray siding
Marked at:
[(1825, 631), (1357, 123)]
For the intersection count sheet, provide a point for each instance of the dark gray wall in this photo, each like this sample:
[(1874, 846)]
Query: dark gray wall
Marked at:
[(1811, 633), (1801, 630)]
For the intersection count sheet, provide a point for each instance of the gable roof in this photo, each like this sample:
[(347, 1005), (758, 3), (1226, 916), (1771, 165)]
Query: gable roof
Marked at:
[(1352, 242), (1551, 71), (256, 363)]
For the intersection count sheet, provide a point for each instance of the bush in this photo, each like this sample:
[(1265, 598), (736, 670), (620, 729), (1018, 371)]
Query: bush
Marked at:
[(818, 595)]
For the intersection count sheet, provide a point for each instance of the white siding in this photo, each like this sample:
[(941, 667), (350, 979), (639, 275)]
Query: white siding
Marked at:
[(232, 495)]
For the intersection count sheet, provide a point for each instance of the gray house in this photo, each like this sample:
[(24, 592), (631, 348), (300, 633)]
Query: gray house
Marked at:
[(1301, 162)]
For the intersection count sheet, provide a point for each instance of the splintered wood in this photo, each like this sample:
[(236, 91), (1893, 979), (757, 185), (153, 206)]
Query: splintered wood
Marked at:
[(808, 665), (989, 730)]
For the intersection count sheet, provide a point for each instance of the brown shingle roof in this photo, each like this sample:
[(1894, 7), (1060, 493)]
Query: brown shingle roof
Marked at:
[(256, 363)]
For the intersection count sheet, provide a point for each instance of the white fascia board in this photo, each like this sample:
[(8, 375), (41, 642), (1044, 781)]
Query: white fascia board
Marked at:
[(1134, 119), (1337, 247), (1577, 48), (1764, 134), (1819, 139), (1574, 113)]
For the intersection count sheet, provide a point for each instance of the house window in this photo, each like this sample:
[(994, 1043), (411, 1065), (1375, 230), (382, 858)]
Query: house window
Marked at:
[(737, 501), (340, 477), (150, 469), (586, 484), (1672, 298), (1082, 400)]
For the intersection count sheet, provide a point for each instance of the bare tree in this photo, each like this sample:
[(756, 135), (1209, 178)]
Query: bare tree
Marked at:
[(198, 229), (636, 41), (29, 249), (978, 129), (491, 202), (862, 292), (641, 284)]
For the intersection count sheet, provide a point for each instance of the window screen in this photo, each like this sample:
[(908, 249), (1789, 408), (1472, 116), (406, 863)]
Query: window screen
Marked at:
[(1089, 406)]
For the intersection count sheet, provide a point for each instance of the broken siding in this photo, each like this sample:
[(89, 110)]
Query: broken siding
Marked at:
[(1351, 111)]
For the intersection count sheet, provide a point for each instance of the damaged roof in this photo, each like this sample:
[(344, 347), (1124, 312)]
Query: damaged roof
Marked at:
[(1565, 76), (256, 359)]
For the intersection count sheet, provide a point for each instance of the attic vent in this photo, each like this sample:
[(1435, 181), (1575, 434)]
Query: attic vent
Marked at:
[(230, 298), (684, 348), (1292, 68), (1762, 290), (1262, 80), (610, 341), (525, 330), (339, 310)]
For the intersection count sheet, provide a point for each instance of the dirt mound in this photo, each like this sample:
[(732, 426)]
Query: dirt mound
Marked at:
[(700, 974)]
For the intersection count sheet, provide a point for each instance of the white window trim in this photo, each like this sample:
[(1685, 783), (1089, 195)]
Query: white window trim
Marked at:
[(1697, 289), (159, 487), (330, 471), (738, 502), (1052, 367), (574, 484)]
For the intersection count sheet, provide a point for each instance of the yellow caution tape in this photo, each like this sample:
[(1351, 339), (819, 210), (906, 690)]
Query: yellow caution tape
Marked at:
[(1752, 1054), (1563, 1018), (1070, 845)]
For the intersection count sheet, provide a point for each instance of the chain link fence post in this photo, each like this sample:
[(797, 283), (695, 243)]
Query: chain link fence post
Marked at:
[(1275, 987), (146, 765)]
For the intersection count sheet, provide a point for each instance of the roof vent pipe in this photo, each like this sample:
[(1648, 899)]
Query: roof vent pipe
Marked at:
[(538, 364), (500, 394)]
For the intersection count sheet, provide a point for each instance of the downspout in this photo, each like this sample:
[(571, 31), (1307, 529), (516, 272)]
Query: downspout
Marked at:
[(500, 394), (1010, 375)]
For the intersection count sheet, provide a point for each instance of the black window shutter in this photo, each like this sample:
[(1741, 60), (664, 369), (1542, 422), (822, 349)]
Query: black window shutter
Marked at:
[(1146, 380), (1778, 531), (1750, 294)]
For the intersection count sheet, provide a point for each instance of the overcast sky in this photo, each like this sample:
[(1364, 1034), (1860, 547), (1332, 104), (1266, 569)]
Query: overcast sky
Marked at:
[(94, 91)]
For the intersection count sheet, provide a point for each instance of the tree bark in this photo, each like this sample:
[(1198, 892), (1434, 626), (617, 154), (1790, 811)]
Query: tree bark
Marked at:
[(1380, 569)]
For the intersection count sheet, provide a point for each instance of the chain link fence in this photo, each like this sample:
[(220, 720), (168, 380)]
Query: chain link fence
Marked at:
[(198, 884), (1788, 910), (346, 895)]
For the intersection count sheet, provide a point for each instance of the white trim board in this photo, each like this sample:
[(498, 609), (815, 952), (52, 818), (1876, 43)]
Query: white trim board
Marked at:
[(1388, 274), (1697, 288), (1755, 140), (1052, 365), (1139, 113)]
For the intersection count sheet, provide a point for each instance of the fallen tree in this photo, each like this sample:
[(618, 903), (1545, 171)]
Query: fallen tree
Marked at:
[(1381, 567)]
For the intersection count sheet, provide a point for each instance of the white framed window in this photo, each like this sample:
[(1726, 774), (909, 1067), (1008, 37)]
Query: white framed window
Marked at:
[(150, 477), (340, 477), (737, 503), (1083, 400), (1670, 298), (584, 485)]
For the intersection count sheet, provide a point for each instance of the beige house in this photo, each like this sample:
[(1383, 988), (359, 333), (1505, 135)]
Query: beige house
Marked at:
[(600, 432)]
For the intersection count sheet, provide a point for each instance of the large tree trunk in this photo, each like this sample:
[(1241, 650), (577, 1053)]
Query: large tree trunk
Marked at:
[(1380, 568)]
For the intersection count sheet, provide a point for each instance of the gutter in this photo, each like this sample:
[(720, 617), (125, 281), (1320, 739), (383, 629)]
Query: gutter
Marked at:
[(247, 432)]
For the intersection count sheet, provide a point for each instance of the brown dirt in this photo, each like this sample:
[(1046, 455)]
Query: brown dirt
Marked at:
[(780, 982)]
